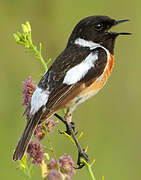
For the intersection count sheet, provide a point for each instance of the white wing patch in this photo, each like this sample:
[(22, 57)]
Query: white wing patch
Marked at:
[(39, 98), (76, 73)]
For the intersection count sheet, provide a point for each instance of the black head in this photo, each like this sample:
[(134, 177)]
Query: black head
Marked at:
[(96, 29)]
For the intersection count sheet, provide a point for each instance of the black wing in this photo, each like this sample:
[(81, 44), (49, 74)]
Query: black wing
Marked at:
[(69, 58), (53, 79)]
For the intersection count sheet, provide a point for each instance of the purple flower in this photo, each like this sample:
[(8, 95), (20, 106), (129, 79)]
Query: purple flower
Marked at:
[(35, 152), (39, 133), (54, 175), (66, 165), (50, 124), (66, 168), (52, 164), (28, 89), (40, 130)]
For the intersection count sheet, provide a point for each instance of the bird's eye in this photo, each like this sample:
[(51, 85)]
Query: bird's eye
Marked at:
[(99, 26)]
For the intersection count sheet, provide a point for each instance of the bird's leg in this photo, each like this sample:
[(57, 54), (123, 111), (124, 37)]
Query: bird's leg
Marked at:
[(81, 152), (66, 124), (70, 130), (69, 119), (69, 122)]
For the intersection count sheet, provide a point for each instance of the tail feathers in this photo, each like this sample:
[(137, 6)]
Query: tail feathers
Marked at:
[(27, 134)]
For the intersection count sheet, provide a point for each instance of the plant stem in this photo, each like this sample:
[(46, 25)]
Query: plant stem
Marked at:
[(89, 168), (38, 53), (51, 149)]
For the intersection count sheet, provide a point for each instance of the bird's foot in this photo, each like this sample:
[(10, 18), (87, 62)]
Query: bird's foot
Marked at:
[(68, 130), (84, 155)]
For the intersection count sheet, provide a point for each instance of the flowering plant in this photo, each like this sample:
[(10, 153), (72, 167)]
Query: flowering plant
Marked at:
[(51, 167)]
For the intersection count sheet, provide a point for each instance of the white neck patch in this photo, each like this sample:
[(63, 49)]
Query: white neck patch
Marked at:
[(84, 43), (90, 44)]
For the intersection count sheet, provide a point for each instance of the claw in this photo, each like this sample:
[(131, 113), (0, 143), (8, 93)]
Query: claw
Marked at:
[(67, 128), (72, 125), (80, 166), (84, 155), (60, 132)]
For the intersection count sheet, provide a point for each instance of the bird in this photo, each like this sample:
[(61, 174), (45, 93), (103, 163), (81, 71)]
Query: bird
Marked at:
[(78, 73)]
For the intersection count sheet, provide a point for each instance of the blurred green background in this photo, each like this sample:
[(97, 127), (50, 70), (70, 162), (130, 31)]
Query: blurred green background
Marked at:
[(111, 121)]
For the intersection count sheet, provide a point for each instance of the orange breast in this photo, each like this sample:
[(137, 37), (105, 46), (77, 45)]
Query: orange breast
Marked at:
[(91, 90), (100, 82)]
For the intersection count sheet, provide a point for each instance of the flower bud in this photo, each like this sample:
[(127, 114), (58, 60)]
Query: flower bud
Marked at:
[(66, 165), (52, 164), (54, 175), (35, 152), (25, 29), (28, 26)]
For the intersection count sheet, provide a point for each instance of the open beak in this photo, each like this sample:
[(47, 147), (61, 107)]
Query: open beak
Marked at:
[(121, 21), (121, 33)]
